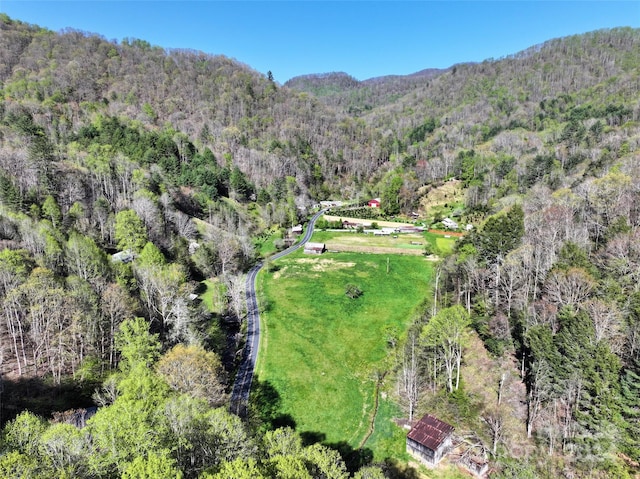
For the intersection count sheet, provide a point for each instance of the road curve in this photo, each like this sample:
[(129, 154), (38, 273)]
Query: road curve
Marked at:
[(244, 377)]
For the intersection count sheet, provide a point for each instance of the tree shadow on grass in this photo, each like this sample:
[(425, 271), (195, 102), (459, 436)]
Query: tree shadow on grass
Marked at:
[(311, 437), (264, 407), (264, 413), (393, 469), (354, 459)]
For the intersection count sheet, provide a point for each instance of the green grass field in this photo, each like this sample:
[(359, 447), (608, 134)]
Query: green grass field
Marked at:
[(320, 349), (388, 439), (441, 244), (265, 245), (213, 295)]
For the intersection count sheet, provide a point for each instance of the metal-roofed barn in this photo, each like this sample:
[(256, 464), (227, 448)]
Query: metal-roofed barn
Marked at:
[(429, 439), (314, 248)]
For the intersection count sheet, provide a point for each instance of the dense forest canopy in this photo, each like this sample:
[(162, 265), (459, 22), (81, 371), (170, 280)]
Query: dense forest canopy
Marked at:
[(130, 173)]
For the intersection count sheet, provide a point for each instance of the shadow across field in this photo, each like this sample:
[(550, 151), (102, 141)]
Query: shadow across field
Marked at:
[(264, 407), (265, 413)]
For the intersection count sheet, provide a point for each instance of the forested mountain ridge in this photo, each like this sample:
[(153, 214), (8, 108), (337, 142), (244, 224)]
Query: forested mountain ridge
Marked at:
[(109, 148), (110, 216), (526, 105), (215, 100), (342, 91), (573, 100), (596, 68), (546, 144)]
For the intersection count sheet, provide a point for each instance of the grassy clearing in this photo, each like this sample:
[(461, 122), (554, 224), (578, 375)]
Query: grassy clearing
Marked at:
[(443, 199), (441, 243), (213, 295), (321, 350), (265, 244)]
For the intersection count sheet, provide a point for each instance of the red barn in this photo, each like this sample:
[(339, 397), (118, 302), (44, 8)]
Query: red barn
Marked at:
[(429, 439), (374, 203)]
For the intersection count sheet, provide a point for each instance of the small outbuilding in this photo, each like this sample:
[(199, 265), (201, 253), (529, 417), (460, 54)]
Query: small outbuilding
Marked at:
[(331, 204), (374, 203), (314, 248), (450, 224), (410, 229), (429, 440), (125, 256), (350, 225), (479, 466)]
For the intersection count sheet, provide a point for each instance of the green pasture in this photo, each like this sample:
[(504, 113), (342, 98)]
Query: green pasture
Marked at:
[(322, 351), (388, 439), (398, 241), (441, 243)]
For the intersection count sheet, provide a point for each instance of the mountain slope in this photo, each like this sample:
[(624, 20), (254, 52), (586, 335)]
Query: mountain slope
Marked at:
[(356, 97), (269, 131), (109, 150)]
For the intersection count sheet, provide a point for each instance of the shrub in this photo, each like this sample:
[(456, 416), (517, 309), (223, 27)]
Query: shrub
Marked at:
[(352, 291)]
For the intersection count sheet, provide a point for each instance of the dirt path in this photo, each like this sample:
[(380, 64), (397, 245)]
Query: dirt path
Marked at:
[(447, 233), (376, 404), (382, 224), (352, 248)]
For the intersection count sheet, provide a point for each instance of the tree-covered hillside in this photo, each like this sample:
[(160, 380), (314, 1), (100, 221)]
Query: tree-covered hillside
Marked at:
[(129, 174), (546, 145), (347, 94), (115, 205), (270, 132)]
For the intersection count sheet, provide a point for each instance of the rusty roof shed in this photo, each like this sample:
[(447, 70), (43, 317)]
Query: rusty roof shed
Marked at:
[(429, 439)]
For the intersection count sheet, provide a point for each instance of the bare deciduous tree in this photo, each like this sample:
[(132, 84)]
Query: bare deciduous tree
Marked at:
[(569, 287), (447, 332), (236, 286), (116, 306), (410, 378)]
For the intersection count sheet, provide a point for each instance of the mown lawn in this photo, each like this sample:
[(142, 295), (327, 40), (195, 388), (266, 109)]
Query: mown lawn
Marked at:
[(320, 349), (345, 241)]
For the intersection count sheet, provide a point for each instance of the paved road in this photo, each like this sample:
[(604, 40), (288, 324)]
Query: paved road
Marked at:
[(244, 377)]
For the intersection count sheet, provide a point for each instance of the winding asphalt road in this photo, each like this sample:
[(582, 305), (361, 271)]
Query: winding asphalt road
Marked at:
[(244, 377)]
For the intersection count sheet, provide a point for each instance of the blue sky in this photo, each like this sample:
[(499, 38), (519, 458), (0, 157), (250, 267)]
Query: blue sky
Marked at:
[(363, 38)]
